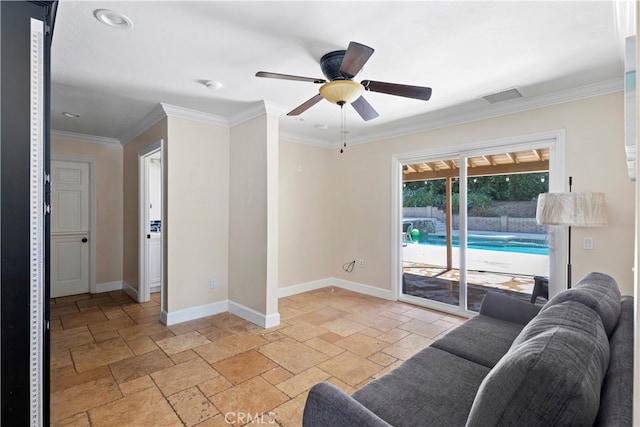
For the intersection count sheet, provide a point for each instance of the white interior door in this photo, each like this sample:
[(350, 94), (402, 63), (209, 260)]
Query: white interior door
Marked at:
[(154, 266), (69, 228), (154, 222), (151, 225), (69, 265)]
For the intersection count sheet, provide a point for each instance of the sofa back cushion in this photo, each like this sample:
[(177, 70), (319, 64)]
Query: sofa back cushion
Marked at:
[(616, 401), (599, 292), (551, 375)]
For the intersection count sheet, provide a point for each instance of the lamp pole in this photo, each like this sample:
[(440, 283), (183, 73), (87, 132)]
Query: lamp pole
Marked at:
[(569, 246)]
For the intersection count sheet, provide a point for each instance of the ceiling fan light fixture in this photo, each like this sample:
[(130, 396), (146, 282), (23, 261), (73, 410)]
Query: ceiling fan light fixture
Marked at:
[(341, 91)]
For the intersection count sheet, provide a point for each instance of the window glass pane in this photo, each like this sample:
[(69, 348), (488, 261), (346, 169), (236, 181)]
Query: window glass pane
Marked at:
[(506, 249), (430, 260)]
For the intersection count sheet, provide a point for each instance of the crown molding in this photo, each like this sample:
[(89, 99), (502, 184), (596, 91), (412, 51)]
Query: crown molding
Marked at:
[(274, 108), (449, 117), (80, 137), (193, 115), (437, 119), (149, 120), (256, 110), (163, 110)]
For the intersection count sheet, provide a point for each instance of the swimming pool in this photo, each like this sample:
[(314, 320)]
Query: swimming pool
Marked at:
[(492, 242)]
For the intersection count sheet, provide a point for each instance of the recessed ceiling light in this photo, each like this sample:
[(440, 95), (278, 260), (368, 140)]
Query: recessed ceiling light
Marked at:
[(213, 85), (322, 127), (71, 115), (113, 19)]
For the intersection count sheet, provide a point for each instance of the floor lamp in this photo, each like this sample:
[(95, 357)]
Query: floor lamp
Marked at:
[(572, 210)]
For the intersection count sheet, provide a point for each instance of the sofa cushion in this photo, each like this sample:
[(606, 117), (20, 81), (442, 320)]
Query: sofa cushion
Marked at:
[(508, 308), (567, 315), (616, 401), (552, 376), (327, 405), (432, 387), (482, 340), (597, 291)]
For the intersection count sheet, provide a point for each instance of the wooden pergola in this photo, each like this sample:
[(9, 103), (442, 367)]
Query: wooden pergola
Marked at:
[(527, 161)]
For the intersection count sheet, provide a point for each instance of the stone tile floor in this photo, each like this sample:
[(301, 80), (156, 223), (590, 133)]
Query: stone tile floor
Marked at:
[(114, 364)]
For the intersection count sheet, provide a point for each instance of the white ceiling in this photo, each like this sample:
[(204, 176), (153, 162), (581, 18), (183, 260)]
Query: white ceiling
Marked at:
[(463, 50)]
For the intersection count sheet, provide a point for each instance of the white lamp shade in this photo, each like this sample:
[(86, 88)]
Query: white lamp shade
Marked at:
[(573, 209)]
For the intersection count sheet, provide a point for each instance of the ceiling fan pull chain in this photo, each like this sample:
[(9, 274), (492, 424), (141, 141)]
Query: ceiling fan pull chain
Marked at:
[(343, 127)]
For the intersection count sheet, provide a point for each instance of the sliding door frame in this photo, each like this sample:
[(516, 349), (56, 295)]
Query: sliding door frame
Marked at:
[(554, 140)]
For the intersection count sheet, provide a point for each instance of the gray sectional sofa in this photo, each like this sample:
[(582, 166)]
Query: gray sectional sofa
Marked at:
[(569, 363)]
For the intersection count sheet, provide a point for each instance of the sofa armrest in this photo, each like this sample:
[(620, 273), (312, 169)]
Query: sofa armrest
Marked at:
[(507, 308), (327, 405)]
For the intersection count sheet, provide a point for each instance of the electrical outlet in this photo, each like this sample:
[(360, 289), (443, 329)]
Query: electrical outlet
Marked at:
[(361, 263), (212, 283)]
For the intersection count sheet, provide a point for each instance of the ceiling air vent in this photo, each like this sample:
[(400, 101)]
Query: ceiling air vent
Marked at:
[(505, 95)]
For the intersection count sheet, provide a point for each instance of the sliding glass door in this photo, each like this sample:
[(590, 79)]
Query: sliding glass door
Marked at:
[(468, 227), (430, 205), (505, 248)]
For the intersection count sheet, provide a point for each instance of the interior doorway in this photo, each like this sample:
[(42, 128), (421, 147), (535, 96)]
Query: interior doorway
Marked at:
[(72, 227), (150, 223)]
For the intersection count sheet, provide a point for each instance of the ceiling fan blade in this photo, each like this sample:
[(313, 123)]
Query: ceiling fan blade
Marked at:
[(355, 58), (365, 109), (305, 106), (288, 77), (416, 92)]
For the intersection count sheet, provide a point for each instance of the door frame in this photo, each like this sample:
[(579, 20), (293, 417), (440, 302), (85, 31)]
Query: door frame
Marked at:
[(144, 292), (92, 212), (554, 140)]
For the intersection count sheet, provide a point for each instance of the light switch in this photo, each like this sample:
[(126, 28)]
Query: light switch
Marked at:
[(587, 243)]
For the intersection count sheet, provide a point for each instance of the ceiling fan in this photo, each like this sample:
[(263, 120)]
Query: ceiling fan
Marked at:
[(340, 67)]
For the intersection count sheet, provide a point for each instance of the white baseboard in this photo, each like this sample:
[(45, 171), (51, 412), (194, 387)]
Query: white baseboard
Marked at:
[(338, 283), (304, 287), (364, 289), (163, 317), (193, 313), (262, 320), (133, 293), (109, 286)]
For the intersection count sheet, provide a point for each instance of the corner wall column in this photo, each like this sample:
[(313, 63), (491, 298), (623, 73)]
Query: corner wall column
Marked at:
[(253, 220)]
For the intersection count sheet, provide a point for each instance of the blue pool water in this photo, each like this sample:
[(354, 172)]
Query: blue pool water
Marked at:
[(504, 243)]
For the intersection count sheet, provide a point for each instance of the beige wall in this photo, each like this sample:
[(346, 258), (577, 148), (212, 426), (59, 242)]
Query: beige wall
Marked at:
[(130, 198), (253, 251), (197, 213), (594, 157), (305, 214), (332, 208), (109, 221)]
